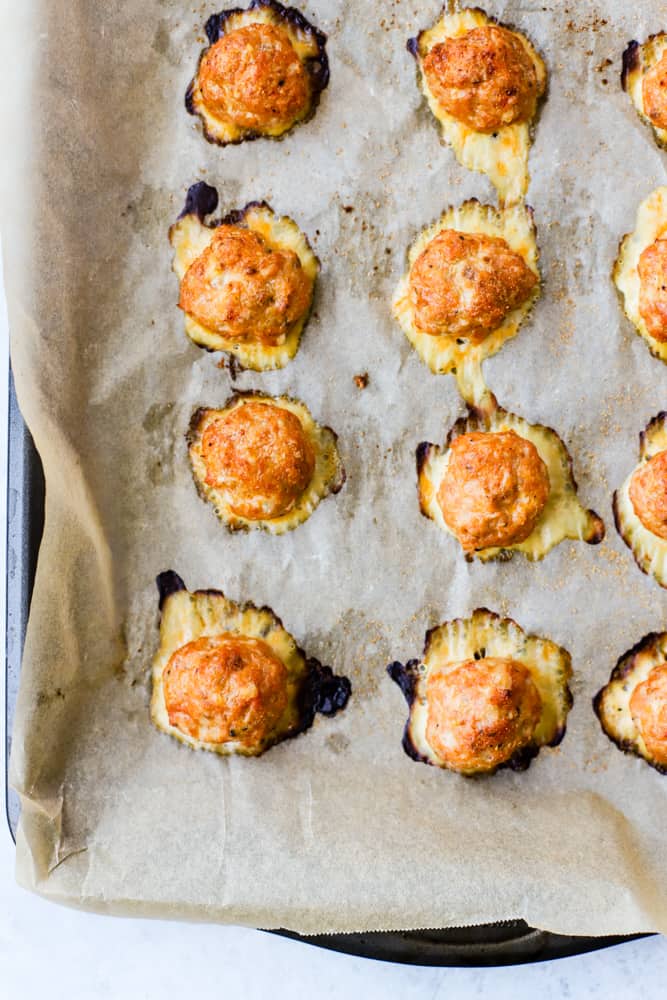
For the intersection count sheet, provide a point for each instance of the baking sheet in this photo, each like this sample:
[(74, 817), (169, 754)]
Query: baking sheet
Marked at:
[(338, 830)]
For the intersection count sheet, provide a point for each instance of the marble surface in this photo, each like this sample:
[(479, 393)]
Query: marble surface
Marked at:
[(66, 955)]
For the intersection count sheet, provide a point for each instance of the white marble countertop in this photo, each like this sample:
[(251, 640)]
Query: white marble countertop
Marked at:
[(66, 955)]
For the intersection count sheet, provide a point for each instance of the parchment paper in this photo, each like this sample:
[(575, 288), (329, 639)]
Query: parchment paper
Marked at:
[(337, 830)]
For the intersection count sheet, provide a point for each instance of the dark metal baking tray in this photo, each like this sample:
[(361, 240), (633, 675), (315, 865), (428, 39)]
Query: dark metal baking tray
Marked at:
[(510, 942), (25, 522)]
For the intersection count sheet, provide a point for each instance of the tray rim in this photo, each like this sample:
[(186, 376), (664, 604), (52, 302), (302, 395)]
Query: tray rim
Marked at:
[(521, 945)]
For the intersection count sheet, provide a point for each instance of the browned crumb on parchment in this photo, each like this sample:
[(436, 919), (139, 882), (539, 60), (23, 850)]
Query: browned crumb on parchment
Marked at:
[(361, 381)]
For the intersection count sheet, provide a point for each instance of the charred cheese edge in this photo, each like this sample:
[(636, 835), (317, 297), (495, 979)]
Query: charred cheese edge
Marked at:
[(309, 44), (649, 550)]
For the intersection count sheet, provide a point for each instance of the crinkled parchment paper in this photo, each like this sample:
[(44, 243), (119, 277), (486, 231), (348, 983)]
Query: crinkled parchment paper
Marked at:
[(337, 830)]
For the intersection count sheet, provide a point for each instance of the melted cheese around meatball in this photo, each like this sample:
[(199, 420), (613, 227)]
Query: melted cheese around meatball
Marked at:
[(246, 282), (261, 75), (508, 479), (640, 272), (482, 83), (484, 695), (229, 678), (632, 706), (263, 462), (644, 77), (472, 279), (640, 505)]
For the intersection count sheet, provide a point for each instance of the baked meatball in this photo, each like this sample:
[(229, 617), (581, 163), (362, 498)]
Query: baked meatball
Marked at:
[(652, 269), (648, 494), (481, 712), (254, 78), (494, 489), (654, 93), (648, 708), (465, 284), (260, 456), (485, 78), (225, 688), (243, 289)]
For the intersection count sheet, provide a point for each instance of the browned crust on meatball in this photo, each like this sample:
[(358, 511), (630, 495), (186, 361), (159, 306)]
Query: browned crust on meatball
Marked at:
[(260, 455), (244, 289), (494, 489), (479, 419), (253, 78), (232, 402), (648, 707), (316, 67), (481, 713), (652, 270), (465, 284), (654, 93), (225, 688), (655, 424), (485, 78), (407, 675), (648, 494)]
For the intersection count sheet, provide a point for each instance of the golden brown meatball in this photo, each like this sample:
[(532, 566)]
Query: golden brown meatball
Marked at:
[(481, 712), (654, 93), (244, 290), (485, 78), (225, 687), (648, 494), (254, 78), (260, 456), (648, 708), (494, 489), (465, 284), (652, 269)]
